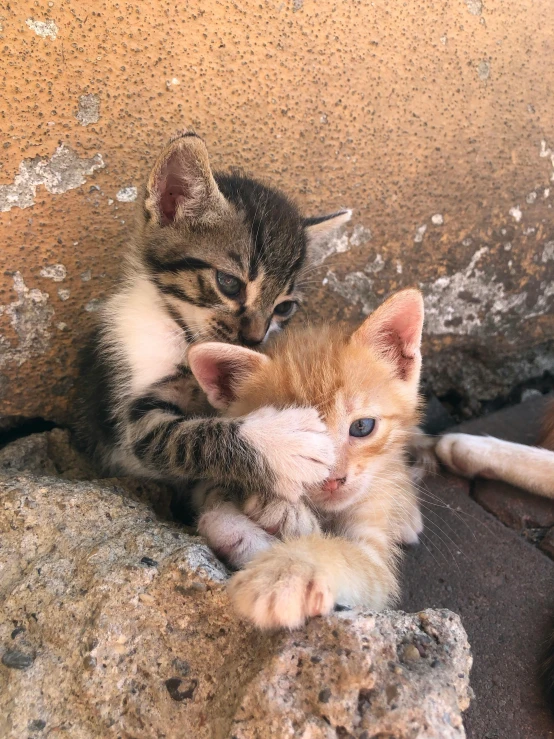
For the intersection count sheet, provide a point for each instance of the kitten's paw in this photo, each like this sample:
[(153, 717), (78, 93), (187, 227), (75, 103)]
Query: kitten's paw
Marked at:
[(295, 445), (465, 454), (277, 590), (281, 518), (232, 536)]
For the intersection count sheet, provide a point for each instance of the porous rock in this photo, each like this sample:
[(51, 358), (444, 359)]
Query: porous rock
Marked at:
[(46, 453), (54, 453), (118, 624)]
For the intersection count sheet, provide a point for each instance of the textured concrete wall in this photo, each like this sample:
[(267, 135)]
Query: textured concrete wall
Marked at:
[(433, 120)]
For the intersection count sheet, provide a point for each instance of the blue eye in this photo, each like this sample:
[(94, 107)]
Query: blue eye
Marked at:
[(362, 427)]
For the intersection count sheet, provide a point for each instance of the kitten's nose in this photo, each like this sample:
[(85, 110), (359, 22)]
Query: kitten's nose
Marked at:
[(249, 339), (253, 330), (332, 484)]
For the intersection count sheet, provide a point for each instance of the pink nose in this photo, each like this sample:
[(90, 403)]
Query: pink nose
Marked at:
[(333, 484)]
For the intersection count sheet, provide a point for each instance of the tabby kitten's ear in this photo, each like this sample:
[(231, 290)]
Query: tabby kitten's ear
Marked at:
[(181, 184), (394, 331), (220, 369), (320, 228)]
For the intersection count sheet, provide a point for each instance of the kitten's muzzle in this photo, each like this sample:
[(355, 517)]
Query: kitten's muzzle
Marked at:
[(253, 330), (332, 484), (246, 340)]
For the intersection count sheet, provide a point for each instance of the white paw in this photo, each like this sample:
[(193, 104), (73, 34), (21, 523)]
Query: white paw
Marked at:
[(277, 590), (281, 518), (233, 536), (465, 454), (295, 445)]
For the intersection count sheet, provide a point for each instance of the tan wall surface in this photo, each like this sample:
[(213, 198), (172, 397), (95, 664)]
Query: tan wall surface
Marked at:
[(433, 120)]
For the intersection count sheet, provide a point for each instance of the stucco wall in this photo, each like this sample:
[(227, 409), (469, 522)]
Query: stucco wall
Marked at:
[(433, 120)]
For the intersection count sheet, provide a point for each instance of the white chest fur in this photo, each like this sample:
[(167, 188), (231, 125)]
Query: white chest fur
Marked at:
[(142, 333)]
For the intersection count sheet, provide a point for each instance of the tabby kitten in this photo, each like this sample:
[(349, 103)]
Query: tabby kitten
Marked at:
[(214, 257), (365, 387)]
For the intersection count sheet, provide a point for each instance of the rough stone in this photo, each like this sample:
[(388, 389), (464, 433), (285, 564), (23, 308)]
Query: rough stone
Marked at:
[(437, 419), (124, 649), (53, 453), (47, 453)]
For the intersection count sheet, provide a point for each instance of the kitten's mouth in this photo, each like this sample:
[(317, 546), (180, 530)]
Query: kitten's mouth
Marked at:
[(333, 484), (333, 491)]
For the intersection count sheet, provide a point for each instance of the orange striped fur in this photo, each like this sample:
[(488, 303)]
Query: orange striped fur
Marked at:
[(372, 373)]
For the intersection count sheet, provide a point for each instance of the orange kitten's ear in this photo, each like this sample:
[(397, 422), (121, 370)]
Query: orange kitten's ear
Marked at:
[(181, 184), (394, 330), (221, 368)]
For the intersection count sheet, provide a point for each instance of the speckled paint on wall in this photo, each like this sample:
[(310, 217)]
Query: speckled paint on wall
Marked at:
[(433, 120)]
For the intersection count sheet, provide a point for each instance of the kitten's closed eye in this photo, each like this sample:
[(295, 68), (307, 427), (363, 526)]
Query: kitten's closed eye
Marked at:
[(285, 309), (362, 427), (228, 284)]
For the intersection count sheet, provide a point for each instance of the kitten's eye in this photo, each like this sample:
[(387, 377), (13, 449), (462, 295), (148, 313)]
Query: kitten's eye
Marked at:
[(228, 284), (285, 309), (362, 427)]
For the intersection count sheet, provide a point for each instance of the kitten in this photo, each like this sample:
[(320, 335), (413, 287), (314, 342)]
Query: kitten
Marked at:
[(365, 387), (214, 257)]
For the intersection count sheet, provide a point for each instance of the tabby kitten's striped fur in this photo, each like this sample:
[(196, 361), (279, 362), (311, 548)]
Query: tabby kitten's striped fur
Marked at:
[(365, 386), (214, 257)]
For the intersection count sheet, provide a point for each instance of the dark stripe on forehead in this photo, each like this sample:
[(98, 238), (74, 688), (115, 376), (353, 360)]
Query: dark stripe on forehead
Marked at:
[(236, 258), (277, 236), (186, 264), (258, 248)]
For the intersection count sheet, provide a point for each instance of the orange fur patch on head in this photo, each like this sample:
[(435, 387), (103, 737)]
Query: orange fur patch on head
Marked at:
[(346, 381), (305, 370)]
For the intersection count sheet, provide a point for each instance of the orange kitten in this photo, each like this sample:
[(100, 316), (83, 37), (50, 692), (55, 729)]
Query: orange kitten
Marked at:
[(364, 385)]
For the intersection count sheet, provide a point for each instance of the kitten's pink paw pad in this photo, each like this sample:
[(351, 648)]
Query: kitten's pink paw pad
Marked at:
[(274, 594)]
